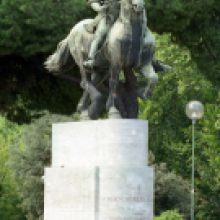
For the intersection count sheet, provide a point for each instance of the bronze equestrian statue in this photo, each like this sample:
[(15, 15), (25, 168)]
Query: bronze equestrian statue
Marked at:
[(118, 39)]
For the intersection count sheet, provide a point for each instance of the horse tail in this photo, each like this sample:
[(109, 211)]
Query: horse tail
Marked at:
[(60, 60)]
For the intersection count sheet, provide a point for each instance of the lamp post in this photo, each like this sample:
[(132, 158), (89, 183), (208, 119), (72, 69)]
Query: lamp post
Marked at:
[(195, 111)]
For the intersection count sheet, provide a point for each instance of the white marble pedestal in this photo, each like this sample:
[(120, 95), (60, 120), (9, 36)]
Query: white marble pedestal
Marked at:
[(99, 172)]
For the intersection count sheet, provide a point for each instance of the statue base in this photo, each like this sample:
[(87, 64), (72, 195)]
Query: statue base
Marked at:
[(99, 171)]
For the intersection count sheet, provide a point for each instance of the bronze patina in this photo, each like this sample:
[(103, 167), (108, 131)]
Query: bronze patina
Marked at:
[(117, 39)]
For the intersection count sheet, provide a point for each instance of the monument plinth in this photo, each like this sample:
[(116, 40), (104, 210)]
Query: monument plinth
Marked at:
[(99, 172)]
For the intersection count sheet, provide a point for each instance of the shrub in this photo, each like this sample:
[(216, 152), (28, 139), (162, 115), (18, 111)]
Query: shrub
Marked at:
[(170, 215), (28, 162), (171, 191)]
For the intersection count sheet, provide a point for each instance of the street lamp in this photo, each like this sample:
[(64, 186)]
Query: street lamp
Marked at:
[(195, 111)]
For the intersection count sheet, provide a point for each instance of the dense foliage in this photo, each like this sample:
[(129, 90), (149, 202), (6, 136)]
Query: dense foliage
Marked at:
[(171, 191), (9, 200), (28, 163), (30, 31), (32, 27), (170, 129), (193, 24), (170, 215)]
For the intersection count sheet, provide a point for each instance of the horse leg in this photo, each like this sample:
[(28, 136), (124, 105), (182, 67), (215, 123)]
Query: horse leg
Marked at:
[(95, 108), (148, 72), (113, 84), (83, 102)]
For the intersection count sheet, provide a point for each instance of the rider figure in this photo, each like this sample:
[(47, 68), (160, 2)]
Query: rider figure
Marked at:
[(108, 11)]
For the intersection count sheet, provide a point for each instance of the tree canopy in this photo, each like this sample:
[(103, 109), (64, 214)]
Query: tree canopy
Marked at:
[(30, 31), (170, 130)]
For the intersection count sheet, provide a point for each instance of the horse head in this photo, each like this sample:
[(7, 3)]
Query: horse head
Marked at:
[(132, 9), (138, 6)]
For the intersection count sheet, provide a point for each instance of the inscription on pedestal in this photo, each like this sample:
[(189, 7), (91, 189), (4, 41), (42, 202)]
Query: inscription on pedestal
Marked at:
[(126, 199), (126, 193)]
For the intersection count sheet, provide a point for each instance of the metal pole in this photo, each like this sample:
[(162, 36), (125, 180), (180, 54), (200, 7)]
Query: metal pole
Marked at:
[(192, 185)]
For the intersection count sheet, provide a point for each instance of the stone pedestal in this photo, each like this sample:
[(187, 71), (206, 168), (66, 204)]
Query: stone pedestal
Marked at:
[(99, 172)]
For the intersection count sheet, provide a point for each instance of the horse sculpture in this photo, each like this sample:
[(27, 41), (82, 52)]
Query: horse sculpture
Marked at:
[(129, 45)]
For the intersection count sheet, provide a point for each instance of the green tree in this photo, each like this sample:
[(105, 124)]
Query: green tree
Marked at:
[(170, 134), (166, 110), (9, 200), (207, 163), (28, 162), (171, 191), (193, 24), (30, 31), (32, 27)]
